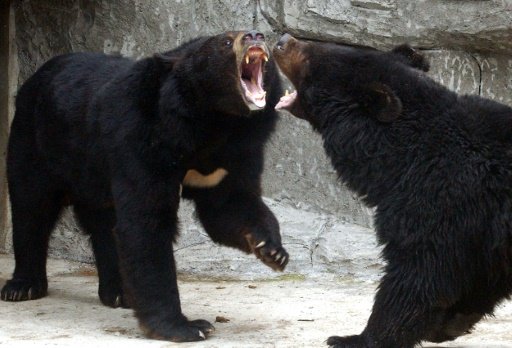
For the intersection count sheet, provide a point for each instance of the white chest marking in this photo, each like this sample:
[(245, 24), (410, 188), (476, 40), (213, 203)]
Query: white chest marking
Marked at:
[(195, 179)]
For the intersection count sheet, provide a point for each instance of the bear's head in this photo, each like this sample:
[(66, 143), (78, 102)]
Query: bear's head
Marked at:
[(332, 79), (225, 73)]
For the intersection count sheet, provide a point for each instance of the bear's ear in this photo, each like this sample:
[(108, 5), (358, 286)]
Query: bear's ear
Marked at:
[(414, 58), (164, 60), (379, 100)]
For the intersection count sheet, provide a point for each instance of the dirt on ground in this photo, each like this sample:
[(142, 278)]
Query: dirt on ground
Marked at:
[(287, 312)]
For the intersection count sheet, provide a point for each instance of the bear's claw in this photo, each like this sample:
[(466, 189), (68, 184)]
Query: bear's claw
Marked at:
[(269, 252), (112, 295), (24, 290), (189, 331)]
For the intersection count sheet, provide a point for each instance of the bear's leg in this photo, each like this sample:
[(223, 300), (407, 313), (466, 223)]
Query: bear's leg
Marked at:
[(146, 226), (454, 324), (34, 213), (460, 318), (36, 202), (403, 313), (99, 223), (238, 218)]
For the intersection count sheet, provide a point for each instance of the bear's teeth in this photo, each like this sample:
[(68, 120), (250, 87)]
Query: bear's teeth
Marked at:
[(247, 59), (265, 58), (286, 100)]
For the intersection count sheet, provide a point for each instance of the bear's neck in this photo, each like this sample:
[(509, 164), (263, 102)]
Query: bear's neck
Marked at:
[(364, 154)]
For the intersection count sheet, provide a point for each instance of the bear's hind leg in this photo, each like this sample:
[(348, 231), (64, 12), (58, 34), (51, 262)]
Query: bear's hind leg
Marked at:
[(99, 223), (460, 319), (454, 325), (407, 309), (34, 213)]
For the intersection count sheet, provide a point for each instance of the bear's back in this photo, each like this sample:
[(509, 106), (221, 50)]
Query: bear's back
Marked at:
[(66, 83), (487, 119), (52, 107)]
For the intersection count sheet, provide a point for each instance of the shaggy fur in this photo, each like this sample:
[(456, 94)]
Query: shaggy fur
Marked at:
[(115, 138), (438, 168)]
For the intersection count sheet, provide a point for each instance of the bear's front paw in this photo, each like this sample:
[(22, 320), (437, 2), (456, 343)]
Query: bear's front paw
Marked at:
[(355, 341), (269, 252), (24, 289), (187, 331)]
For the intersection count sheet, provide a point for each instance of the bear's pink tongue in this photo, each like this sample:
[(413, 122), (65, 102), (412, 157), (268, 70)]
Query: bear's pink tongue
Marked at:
[(254, 93)]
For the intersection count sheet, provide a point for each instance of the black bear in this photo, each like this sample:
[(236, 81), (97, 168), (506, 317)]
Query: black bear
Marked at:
[(436, 166), (121, 141)]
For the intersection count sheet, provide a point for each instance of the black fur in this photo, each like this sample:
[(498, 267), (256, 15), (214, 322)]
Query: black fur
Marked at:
[(438, 169), (115, 138)]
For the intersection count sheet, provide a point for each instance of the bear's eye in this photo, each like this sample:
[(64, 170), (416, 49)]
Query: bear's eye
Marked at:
[(228, 43)]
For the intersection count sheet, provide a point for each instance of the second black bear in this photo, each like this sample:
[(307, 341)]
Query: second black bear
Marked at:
[(438, 168), (119, 140)]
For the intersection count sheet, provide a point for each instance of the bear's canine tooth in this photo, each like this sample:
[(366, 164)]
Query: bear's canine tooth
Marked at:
[(265, 58), (247, 59), (286, 93)]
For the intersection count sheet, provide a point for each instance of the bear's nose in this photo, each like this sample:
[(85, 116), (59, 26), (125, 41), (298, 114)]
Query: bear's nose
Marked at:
[(283, 40), (254, 35)]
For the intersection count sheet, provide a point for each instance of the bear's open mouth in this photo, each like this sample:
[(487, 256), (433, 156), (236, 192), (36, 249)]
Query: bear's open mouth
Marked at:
[(251, 76), (286, 101)]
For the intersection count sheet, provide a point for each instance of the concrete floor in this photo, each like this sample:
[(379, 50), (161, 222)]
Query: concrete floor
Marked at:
[(287, 312)]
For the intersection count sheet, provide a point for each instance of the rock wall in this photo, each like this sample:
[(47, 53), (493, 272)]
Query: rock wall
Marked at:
[(463, 25), (469, 44), (4, 112)]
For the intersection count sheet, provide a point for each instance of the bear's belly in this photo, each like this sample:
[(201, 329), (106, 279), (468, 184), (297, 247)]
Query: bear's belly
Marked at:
[(195, 179)]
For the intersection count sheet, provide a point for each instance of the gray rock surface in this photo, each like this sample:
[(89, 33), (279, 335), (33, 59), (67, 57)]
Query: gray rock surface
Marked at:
[(318, 243), (4, 111), (132, 28), (463, 25)]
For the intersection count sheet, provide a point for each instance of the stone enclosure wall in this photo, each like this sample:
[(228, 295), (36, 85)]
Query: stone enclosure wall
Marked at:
[(469, 43)]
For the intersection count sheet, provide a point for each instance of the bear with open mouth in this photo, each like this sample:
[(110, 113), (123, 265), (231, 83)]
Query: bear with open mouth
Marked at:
[(123, 141), (437, 167)]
